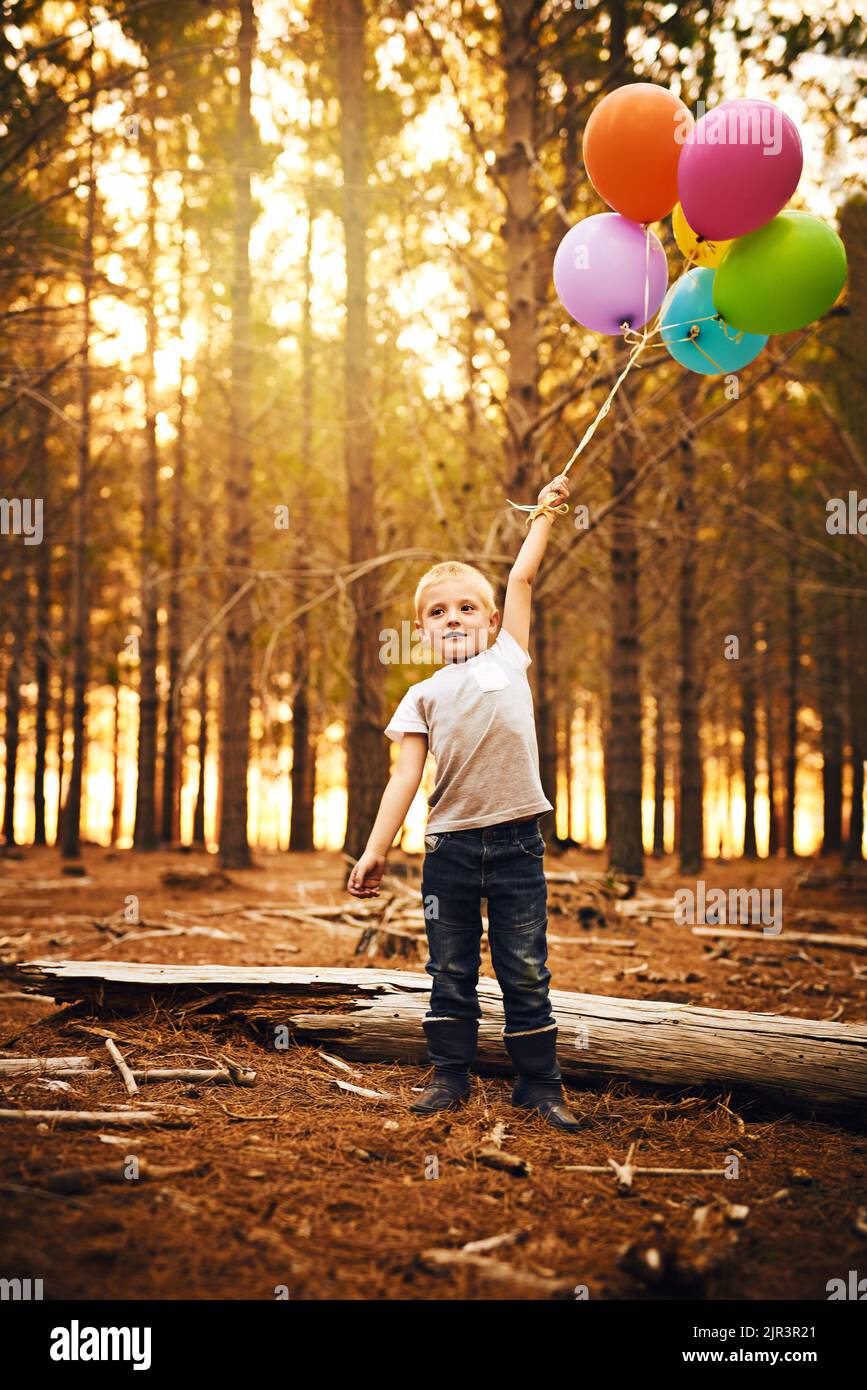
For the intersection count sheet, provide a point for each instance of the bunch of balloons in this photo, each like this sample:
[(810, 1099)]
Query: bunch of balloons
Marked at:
[(754, 267)]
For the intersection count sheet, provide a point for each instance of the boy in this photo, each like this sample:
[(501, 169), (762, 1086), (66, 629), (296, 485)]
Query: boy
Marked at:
[(475, 714)]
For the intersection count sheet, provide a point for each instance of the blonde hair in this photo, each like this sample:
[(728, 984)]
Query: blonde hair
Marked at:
[(455, 569)]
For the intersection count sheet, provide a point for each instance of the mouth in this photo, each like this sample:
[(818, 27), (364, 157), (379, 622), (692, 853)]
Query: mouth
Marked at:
[(454, 634)]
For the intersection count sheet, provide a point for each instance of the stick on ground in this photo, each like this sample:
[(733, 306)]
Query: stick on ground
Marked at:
[(116, 1056)]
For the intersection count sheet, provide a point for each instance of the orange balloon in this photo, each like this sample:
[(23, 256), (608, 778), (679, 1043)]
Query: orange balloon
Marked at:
[(632, 145)]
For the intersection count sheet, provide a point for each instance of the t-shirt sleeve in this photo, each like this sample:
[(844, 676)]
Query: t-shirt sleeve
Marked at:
[(407, 718), (512, 651)]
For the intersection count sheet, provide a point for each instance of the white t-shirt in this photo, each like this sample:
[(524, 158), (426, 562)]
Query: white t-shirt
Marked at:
[(478, 716)]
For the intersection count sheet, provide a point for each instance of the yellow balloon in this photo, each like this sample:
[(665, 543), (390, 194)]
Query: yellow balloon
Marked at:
[(707, 253)]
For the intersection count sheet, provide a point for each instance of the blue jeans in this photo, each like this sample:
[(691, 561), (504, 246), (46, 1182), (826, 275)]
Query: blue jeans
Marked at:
[(503, 863)]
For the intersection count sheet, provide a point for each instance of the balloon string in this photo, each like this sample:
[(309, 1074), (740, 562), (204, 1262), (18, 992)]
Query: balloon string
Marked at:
[(692, 254), (545, 507), (632, 337), (734, 337), (692, 337), (646, 275), (704, 319)]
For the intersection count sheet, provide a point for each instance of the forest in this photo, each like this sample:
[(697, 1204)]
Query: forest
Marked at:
[(282, 329)]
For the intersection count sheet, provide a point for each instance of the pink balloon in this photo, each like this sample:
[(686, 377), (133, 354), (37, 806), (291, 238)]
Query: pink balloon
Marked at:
[(740, 165), (600, 271)]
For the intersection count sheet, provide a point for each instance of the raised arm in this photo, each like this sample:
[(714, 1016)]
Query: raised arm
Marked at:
[(519, 590)]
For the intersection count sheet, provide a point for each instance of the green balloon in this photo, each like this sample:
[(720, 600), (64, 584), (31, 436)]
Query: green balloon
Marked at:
[(781, 276)]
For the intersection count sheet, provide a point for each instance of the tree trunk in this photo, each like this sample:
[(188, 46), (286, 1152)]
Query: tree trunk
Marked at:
[(691, 797), (237, 644), (606, 766), (366, 748), (774, 837), (42, 633), (675, 792), (588, 788), (62, 703), (857, 740), (625, 764), (747, 658), (659, 778), (199, 812), (794, 664), (618, 23), (303, 774), (770, 755), (519, 57), (206, 594), (830, 694), (70, 840), (726, 765), (546, 720), (173, 755), (116, 780), (12, 713), (145, 833), (567, 706)]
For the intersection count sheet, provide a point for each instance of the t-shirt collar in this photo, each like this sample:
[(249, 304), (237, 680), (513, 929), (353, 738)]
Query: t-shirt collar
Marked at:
[(460, 665)]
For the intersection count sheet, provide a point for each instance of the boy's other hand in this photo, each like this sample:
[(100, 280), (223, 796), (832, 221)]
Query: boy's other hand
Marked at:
[(366, 875)]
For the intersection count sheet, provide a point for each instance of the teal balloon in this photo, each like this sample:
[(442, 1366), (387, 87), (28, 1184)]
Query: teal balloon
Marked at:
[(716, 348), (782, 276)]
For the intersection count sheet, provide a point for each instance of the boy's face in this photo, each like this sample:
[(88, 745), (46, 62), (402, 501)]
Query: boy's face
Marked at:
[(455, 620)]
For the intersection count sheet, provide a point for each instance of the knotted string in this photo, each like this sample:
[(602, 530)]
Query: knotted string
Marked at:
[(692, 253), (692, 337)]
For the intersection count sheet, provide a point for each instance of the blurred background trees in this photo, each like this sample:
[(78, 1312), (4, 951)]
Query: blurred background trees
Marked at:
[(279, 331)]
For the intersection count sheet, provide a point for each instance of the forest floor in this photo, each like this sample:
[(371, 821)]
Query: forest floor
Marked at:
[(297, 1183)]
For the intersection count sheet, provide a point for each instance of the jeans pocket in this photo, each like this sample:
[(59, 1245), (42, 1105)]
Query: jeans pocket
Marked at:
[(534, 848), (433, 843)]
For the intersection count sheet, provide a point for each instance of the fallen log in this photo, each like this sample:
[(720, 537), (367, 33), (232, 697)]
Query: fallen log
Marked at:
[(84, 1067), (196, 1075), (191, 1076), (376, 1015), (800, 938), (94, 1119), (12, 1067), (161, 930)]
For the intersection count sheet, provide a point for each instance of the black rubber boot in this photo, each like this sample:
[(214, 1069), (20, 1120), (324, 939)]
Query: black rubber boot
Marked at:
[(452, 1044), (538, 1085)]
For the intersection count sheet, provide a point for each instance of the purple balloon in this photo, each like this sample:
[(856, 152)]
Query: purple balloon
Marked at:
[(740, 165), (600, 271)]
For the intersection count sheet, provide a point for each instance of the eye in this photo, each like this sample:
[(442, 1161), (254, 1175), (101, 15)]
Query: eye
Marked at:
[(471, 606)]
